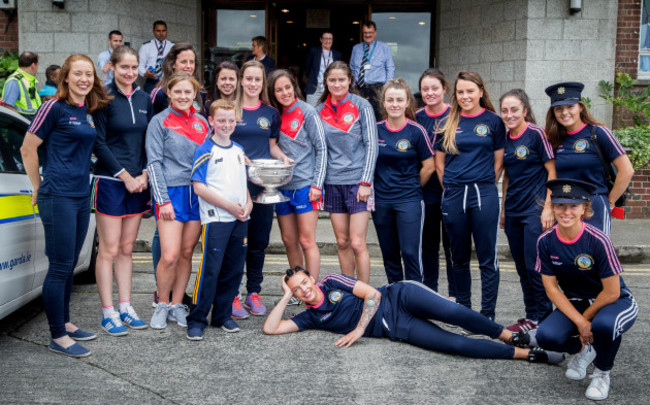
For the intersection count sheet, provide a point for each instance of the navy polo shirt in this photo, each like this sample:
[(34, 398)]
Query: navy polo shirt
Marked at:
[(576, 158), (432, 191), (253, 132), (477, 138), (524, 160), (579, 264), (397, 173), (68, 133)]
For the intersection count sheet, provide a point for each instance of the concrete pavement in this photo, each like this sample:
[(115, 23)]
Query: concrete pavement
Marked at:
[(162, 367), (631, 238)]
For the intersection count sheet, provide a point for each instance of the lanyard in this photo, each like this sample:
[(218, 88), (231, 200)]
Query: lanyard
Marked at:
[(368, 57), (327, 61)]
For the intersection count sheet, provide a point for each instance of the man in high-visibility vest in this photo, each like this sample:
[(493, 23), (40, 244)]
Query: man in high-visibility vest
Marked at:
[(20, 92)]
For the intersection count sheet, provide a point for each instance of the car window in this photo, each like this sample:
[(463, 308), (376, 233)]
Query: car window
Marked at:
[(12, 133)]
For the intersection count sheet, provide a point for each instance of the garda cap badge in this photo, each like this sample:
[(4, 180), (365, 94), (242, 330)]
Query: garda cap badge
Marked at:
[(566, 188), (561, 90)]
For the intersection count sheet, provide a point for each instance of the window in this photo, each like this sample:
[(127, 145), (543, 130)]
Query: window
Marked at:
[(644, 43), (12, 133), (408, 35)]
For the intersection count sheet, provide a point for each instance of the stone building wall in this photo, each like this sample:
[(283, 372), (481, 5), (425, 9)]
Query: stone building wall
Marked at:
[(83, 26)]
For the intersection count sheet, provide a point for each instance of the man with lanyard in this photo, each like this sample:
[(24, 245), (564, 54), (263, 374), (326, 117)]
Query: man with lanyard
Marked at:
[(152, 54), (114, 40), (318, 60), (19, 92), (372, 65)]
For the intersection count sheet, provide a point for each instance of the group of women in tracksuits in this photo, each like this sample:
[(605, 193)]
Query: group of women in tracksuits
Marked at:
[(425, 176)]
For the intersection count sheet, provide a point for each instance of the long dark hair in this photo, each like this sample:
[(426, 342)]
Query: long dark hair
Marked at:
[(399, 84), (214, 92), (556, 132), (273, 77), (523, 97), (436, 73), (340, 65)]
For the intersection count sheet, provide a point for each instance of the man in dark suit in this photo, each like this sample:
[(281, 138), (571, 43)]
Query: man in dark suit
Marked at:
[(260, 49), (318, 60)]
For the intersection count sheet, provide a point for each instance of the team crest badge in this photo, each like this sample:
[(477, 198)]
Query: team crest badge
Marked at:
[(580, 145), (566, 189), (90, 120), (263, 122), (335, 296), (348, 118), (196, 106), (294, 124), (245, 241), (521, 152), (561, 90), (403, 145), (481, 130), (198, 127), (584, 262)]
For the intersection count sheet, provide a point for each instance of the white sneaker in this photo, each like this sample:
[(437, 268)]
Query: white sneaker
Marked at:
[(599, 387), (179, 314), (159, 318), (577, 368)]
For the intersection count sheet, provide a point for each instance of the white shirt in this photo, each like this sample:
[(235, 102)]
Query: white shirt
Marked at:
[(149, 55)]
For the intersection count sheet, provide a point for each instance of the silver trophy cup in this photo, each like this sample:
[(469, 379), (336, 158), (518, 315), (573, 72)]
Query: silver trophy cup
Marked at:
[(270, 174)]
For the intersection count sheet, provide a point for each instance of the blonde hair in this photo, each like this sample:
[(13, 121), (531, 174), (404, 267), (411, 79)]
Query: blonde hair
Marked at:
[(239, 100), (449, 129), (398, 84)]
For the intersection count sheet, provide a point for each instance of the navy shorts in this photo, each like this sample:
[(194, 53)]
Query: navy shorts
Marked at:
[(298, 202), (111, 198), (342, 199), (185, 203)]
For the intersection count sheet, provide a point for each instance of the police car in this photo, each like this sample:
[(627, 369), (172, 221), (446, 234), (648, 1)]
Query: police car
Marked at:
[(23, 264)]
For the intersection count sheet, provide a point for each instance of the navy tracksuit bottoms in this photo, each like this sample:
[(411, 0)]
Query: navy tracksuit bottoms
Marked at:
[(399, 231), (522, 233), (220, 272), (434, 228), (472, 211), (559, 333)]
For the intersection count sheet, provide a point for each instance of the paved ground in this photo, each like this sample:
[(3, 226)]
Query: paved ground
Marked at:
[(162, 367)]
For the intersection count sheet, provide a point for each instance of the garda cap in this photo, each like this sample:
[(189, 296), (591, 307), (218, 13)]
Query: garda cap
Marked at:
[(565, 93), (569, 191)]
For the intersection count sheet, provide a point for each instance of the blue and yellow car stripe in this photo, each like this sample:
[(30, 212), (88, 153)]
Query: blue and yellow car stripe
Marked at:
[(14, 208)]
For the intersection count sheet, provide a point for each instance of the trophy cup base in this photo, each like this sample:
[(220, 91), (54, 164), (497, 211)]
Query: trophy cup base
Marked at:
[(273, 197)]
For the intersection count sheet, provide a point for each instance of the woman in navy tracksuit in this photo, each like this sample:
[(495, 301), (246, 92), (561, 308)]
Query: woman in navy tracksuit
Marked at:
[(404, 164), (433, 86), (120, 194), (570, 128), (469, 162), (528, 163), (582, 277), (64, 129)]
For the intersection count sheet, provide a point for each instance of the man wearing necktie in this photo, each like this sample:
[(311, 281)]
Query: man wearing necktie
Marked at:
[(152, 53), (372, 65), (318, 60)]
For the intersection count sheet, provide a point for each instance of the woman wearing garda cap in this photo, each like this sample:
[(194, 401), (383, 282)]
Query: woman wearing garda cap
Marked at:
[(581, 275), (571, 128)]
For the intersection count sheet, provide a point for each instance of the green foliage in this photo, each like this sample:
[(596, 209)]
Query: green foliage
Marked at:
[(636, 140), (586, 101), (8, 65), (635, 101)]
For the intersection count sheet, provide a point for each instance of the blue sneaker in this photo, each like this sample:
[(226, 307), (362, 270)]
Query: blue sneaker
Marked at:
[(80, 334), (113, 325), (195, 334), (76, 350), (254, 304), (132, 320), (230, 326)]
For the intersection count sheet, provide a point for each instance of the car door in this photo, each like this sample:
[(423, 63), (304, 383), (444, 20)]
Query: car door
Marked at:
[(17, 216)]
